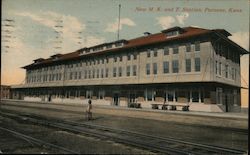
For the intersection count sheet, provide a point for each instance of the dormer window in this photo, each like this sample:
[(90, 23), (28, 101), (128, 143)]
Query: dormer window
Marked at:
[(173, 32), (38, 60), (109, 46), (120, 43), (146, 33), (55, 57)]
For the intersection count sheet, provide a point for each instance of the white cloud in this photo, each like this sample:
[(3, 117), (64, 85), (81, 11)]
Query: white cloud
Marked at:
[(165, 21), (71, 27), (113, 27), (50, 19), (18, 55), (241, 38), (22, 53), (182, 17)]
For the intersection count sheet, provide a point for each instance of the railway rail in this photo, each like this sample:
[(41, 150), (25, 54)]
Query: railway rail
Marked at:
[(37, 142), (149, 142), (238, 130)]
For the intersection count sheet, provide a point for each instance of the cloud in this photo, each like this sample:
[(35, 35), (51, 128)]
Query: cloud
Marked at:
[(70, 30), (168, 21), (182, 17), (113, 27), (241, 38), (18, 55), (22, 53), (50, 19), (165, 21)]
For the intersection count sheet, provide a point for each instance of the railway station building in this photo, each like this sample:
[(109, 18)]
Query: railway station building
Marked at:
[(194, 66)]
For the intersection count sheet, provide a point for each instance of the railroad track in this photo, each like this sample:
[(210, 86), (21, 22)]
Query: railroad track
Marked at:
[(36, 141), (238, 130), (149, 142)]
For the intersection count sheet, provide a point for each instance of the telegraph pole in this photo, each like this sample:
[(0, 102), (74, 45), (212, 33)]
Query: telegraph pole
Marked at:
[(119, 22)]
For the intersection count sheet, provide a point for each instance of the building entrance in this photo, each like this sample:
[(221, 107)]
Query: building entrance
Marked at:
[(116, 99), (131, 98)]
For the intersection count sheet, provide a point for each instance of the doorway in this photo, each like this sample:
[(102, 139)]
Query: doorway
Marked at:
[(131, 98), (116, 99)]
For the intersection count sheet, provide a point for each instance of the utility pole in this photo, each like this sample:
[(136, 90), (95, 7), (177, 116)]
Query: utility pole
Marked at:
[(119, 22)]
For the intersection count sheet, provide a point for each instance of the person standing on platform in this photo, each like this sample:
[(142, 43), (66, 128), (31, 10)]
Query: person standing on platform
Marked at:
[(88, 111)]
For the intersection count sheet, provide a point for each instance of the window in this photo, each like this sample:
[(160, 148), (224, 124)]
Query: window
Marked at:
[(155, 68), (148, 53), (89, 74), (172, 33), (134, 70), (128, 70), (101, 73), (120, 58), (165, 67), (93, 73), (226, 68), (149, 95), (85, 74), (235, 74), (80, 75), (197, 65), (155, 52), (89, 93), (120, 71), (98, 61), (188, 65), (94, 62), (166, 51), (70, 76), (114, 72), (60, 76), (115, 59), (128, 57), (97, 73), (107, 60), (107, 72), (53, 77), (188, 47), (216, 67), (135, 56), (109, 46), (147, 69), (220, 65), (118, 44), (175, 66), (197, 46), (102, 61), (232, 71), (175, 49), (101, 94)]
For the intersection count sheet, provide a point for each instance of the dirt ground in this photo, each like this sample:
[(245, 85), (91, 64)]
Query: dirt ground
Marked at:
[(78, 143)]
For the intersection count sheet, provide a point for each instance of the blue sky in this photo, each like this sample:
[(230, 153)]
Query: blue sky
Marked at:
[(91, 22)]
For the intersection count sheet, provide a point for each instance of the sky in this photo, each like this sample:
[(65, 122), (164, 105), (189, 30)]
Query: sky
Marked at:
[(41, 28)]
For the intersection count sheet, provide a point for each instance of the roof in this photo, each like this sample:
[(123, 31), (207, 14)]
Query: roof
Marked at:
[(151, 39)]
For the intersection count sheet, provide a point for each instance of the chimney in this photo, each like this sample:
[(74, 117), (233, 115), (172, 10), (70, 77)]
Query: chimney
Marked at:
[(146, 33)]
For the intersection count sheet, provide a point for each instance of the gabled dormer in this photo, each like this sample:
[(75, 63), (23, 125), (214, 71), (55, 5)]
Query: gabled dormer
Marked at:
[(56, 57), (120, 43), (173, 32), (38, 60)]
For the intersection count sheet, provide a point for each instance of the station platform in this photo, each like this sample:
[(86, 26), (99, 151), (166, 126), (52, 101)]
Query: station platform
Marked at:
[(227, 120)]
